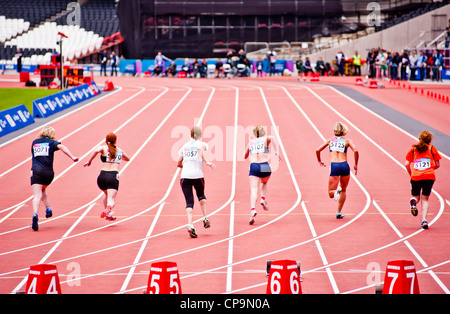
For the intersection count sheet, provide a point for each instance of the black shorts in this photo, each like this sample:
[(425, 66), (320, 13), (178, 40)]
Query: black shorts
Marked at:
[(186, 187), (41, 175), (424, 185), (108, 180)]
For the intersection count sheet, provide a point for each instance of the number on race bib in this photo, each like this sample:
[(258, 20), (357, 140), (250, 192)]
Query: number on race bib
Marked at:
[(41, 149), (337, 145), (257, 147), (422, 163), (190, 153)]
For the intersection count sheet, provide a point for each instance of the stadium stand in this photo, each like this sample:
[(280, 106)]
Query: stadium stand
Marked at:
[(399, 18), (33, 27)]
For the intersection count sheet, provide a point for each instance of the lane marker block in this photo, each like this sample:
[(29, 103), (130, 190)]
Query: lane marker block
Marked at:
[(315, 77), (43, 279), (284, 278), (373, 84), (164, 279), (401, 278), (108, 86)]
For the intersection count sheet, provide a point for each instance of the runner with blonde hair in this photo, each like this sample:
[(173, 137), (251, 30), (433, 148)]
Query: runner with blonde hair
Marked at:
[(192, 158), (260, 170), (339, 167), (42, 174)]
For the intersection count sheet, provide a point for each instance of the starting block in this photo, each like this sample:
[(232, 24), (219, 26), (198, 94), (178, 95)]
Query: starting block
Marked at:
[(181, 74), (108, 86), (373, 84), (401, 278), (359, 81), (53, 85), (315, 77), (163, 279), (43, 279), (284, 277)]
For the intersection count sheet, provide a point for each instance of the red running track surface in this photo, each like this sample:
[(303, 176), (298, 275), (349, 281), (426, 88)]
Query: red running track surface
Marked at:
[(152, 118)]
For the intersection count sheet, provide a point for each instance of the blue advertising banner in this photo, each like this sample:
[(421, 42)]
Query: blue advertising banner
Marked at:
[(13, 119), (52, 104)]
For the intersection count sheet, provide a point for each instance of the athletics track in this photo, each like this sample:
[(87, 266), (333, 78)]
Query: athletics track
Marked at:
[(151, 117)]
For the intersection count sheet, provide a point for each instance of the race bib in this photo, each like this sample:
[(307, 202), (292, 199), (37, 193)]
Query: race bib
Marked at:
[(190, 153), (117, 159), (422, 163), (41, 149), (337, 145), (258, 147)]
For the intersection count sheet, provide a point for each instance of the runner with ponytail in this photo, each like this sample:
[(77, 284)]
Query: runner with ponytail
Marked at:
[(425, 160)]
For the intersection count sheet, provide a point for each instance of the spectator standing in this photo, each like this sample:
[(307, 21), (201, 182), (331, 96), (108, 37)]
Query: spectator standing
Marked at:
[(382, 64), (371, 57), (259, 67), (19, 60), (104, 61), (299, 66), (438, 61), (421, 65), (272, 56), (395, 61), (357, 64), (412, 65), (160, 61), (447, 38), (340, 61), (114, 63), (404, 65)]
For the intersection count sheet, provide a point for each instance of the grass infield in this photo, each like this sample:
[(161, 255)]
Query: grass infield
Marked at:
[(11, 97)]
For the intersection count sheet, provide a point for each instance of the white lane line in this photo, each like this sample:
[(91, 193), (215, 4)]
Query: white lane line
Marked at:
[(379, 117), (155, 219), (84, 156), (131, 159), (63, 138)]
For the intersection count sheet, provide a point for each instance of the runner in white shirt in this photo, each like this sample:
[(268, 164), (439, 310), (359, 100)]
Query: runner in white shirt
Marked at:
[(191, 161), (260, 170)]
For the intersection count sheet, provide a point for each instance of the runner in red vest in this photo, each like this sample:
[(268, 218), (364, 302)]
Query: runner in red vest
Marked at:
[(425, 159)]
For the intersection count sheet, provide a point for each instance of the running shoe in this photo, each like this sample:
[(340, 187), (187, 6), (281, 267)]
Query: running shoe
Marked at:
[(35, 225), (414, 210), (48, 213), (424, 224), (337, 194), (264, 204), (105, 212), (110, 216), (206, 223), (191, 232), (339, 215), (253, 214)]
